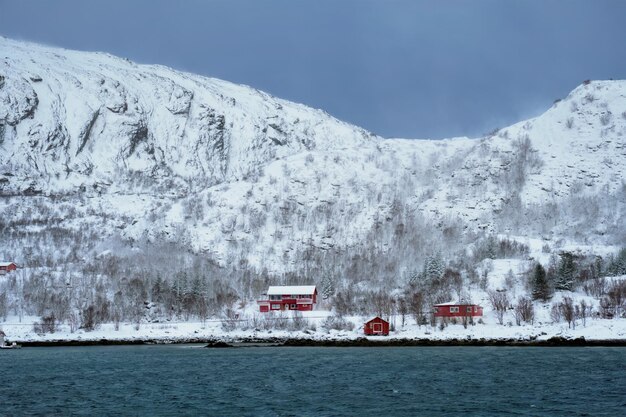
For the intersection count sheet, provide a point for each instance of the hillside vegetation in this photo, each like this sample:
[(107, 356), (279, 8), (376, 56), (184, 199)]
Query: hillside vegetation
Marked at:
[(138, 193)]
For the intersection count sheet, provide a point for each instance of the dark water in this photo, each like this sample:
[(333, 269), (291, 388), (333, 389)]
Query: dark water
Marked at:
[(276, 381)]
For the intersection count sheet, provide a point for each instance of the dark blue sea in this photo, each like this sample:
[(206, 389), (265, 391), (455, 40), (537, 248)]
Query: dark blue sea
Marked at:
[(184, 380)]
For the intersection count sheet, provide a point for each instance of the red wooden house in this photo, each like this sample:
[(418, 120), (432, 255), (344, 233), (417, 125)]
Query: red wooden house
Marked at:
[(457, 310), (376, 326), (7, 267), (288, 297)]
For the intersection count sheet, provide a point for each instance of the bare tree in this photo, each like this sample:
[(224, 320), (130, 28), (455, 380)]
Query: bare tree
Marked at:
[(382, 304), (230, 320), (509, 280), (48, 323), (555, 313), (617, 296), (3, 305), (88, 319), (466, 317), (584, 311), (500, 302), (343, 302), (403, 309), (455, 279), (416, 305), (595, 287), (568, 311), (524, 311)]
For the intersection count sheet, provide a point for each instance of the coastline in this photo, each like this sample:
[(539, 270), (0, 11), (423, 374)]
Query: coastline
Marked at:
[(597, 332), (555, 341)]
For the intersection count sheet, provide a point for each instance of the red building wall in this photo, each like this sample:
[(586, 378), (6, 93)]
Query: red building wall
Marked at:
[(290, 304), (287, 302), (458, 310), (10, 267), (376, 326)]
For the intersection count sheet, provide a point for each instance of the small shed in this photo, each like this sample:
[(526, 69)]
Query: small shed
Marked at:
[(376, 326)]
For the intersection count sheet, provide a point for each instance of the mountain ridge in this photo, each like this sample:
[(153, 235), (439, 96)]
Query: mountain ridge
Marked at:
[(150, 154), (92, 108)]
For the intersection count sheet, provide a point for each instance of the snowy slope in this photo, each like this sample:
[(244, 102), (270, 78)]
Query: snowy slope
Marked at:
[(72, 117), (576, 146), (150, 154)]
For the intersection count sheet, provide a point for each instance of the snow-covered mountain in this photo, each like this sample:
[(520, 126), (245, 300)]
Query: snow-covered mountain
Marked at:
[(105, 150), (83, 118)]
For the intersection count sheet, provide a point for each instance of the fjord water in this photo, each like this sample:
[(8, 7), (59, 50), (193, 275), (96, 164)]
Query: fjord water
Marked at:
[(311, 381)]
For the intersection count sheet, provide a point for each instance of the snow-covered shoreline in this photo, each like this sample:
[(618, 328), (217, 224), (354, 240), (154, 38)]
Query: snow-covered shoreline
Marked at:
[(594, 332), (356, 342)]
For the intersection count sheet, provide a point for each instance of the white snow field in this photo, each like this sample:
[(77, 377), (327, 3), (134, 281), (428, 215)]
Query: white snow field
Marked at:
[(116, 175)]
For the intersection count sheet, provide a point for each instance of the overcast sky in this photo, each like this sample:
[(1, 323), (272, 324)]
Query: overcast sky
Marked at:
[(398, 68)]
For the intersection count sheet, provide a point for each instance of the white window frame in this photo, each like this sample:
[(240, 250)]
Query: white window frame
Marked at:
[(454, 309)]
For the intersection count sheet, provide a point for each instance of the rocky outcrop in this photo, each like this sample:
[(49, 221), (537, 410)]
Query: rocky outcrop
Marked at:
[(77, 107), (18, 100)]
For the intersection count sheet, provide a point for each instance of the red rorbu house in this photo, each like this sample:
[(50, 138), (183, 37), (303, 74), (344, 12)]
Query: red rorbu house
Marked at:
[(288, 297), (376, 326), (7, 267), (457, 310)]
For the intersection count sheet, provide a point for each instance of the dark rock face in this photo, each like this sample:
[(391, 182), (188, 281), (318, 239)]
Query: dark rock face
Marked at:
[(218, 344), (85, 132), (180, 100), (18, 100)]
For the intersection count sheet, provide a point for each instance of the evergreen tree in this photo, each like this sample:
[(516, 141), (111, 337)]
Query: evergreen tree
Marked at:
[(598, 267), (610, 266), (414, 278), (199, 290), (181, 289), (491, 247), (565, 272), (621, 262), (616, 265), (328, 287), (194, 297), (540, 286), (157, 289), (433, 268)]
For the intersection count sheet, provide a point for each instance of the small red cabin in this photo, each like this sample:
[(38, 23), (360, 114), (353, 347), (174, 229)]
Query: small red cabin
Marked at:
[(288, 297), (7, 267), (457, 310), (376, 326)]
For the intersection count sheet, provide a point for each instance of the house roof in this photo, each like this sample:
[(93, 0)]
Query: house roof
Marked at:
[(291, 289), (452, 303), (2, 263), (376, 318)]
